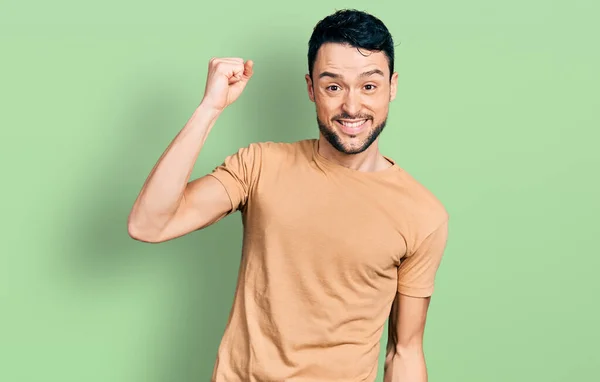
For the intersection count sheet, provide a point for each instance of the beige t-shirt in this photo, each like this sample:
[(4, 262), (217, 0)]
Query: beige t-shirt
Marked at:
[(325, 250)]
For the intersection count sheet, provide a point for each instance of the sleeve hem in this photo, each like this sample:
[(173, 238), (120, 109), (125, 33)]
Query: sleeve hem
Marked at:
[(228, 185), (415, 292)]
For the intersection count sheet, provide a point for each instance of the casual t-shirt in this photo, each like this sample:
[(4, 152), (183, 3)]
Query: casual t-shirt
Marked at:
[(325, 250)]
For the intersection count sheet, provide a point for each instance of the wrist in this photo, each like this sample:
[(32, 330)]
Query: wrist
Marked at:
[(208, 110)]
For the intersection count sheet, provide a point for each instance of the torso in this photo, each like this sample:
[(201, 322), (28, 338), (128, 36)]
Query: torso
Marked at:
[(322, 246)]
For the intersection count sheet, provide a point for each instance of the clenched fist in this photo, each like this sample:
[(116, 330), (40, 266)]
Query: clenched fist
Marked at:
[(227, 78)]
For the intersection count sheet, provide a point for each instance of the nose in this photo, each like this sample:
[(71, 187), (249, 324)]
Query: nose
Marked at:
[(351, 103)]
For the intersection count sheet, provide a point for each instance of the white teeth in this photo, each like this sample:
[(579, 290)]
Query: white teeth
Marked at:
[(353, 124)]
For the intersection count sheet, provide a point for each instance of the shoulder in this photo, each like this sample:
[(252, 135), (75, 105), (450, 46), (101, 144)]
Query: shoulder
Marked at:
[(284, 147), (428, 212), (278, 151), (429, 201)]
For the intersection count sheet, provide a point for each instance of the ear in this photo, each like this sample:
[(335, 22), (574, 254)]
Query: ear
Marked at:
[(393, 86), (309, 87)]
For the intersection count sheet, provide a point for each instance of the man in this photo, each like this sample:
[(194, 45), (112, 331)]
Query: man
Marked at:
[(337, 237)]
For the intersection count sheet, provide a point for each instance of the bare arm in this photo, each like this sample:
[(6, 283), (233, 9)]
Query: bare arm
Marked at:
[(405, 360), (169, 205)]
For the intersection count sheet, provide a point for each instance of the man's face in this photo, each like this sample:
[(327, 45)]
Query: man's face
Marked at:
[(352, 90)]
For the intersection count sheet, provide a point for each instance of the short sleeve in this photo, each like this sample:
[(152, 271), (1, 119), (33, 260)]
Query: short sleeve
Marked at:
[(238, 174), (417, 271)]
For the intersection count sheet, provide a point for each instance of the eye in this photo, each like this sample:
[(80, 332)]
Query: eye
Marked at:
[(370, 87), (333, 87)]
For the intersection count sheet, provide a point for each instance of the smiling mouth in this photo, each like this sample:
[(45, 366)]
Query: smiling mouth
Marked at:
[(352, 124), (352, 127)]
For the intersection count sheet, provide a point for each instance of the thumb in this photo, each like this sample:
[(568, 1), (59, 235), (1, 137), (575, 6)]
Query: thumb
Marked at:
[(248, 69)]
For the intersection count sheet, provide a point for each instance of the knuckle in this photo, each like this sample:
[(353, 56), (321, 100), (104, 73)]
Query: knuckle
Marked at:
[(222, 67)]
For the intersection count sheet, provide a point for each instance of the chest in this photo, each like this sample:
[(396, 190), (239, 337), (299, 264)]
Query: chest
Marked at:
[(324, 223)]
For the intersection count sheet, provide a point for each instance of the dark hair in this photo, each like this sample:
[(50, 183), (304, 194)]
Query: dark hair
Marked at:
[(355, 28)]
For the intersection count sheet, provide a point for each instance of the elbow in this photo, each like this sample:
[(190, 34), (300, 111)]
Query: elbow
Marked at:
[(141, 237), (137, 233), (409, 351), (408, 348)]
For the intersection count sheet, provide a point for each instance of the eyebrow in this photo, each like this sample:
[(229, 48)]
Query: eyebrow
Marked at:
[(329, 74), (371, 72), (365, 74)]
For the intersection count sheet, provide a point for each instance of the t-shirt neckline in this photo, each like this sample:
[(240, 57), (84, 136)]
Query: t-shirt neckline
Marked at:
[(394, 168)]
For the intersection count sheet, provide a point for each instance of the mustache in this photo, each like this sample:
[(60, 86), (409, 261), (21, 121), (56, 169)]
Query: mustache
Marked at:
[(348, 116)]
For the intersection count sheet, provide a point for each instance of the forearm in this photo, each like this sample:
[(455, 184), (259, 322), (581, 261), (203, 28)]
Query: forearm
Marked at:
[(164, 187), (406, 366)]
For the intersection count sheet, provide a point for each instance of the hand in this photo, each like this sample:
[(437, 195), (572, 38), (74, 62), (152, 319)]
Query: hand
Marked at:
[(227, 78)]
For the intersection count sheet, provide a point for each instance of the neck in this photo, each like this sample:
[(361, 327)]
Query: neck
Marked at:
[(368, 161)]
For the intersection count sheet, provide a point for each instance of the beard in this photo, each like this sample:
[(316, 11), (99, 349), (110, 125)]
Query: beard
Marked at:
[(335, 140)]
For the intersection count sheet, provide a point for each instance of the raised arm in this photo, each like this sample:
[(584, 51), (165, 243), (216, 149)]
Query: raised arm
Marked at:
[(169, 205)]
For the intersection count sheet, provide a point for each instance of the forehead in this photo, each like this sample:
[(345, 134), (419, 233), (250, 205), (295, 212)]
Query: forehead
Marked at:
[(344, 58)]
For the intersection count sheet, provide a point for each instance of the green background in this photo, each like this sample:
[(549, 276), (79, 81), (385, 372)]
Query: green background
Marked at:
[(497, 114)]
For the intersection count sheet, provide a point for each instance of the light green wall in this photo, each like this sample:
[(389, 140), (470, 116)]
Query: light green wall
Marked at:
[(497, 114)]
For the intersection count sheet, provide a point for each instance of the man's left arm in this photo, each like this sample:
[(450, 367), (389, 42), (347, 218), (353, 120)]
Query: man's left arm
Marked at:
[(405, 359)]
